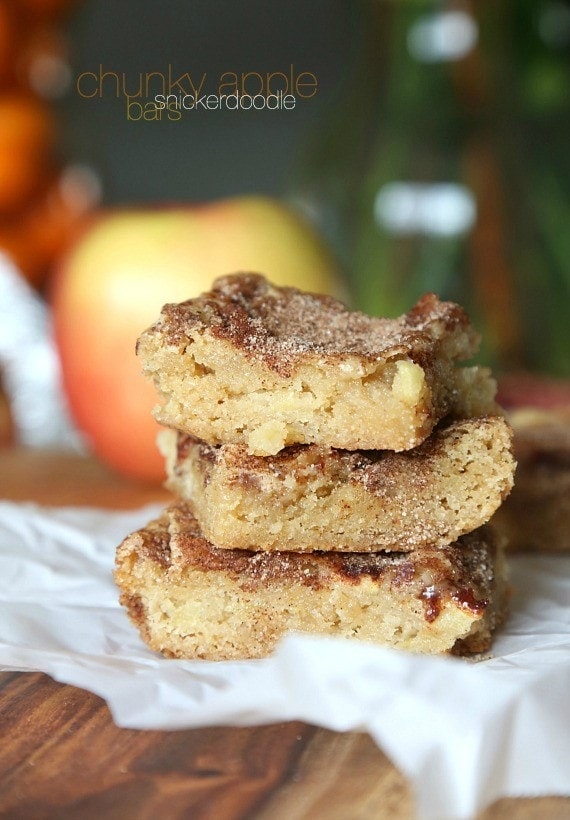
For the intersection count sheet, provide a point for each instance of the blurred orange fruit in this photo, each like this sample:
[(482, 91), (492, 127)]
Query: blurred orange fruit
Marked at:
[(7, 41), (36, 237), (27, 136)]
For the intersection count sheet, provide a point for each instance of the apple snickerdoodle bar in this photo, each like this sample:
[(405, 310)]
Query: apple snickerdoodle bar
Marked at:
[(536, 515), (264, 366), (190, 599), (308, 496)]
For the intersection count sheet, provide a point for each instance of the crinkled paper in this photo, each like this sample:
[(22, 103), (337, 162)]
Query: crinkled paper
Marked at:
[(463, 733)]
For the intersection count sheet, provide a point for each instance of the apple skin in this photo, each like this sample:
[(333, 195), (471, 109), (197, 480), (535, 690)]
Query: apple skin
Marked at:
[(114, 280)]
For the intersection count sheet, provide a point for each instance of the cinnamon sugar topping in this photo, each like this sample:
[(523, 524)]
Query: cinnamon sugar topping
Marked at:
[(282, 325), (460, 572)]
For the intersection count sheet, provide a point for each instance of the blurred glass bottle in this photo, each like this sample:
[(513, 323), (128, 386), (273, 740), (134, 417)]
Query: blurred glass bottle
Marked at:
[(443, 165)]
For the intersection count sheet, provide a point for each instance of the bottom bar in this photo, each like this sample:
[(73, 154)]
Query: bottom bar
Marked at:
[(190, 599)]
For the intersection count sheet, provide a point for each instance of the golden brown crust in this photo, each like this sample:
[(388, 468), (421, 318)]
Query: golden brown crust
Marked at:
[(282, 326), (184, 587), (252, 363), (345, 500), (465, 567)]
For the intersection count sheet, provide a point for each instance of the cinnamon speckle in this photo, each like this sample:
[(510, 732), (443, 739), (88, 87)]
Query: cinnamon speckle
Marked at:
[(279, 325)]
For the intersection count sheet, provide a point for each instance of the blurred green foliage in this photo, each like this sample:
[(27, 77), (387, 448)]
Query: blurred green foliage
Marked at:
[(495, 121)]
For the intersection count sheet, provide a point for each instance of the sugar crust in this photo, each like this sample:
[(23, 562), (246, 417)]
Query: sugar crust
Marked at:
[(190, 599), (345, 500), (268, 367)]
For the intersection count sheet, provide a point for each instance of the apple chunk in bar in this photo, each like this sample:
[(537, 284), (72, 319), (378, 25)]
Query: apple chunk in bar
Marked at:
[(265, 366), (308, 496), (190, 599)]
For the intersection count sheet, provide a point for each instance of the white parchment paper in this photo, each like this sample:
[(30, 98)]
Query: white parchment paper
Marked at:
[(464, 733)]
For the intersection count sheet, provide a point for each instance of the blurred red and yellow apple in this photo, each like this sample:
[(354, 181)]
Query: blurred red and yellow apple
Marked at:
[(126, 265)]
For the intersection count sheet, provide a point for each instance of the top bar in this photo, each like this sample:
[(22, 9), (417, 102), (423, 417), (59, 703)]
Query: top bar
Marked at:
[(267, 366)]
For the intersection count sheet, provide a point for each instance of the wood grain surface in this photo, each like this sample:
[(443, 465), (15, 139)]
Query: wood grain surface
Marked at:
[(61, 756)]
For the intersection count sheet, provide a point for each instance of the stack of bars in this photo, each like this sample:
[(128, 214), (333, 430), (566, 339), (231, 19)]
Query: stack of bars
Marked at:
[(334, 474)]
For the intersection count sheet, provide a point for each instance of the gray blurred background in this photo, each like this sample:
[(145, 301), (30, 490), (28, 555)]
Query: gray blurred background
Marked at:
[(207, 154)]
